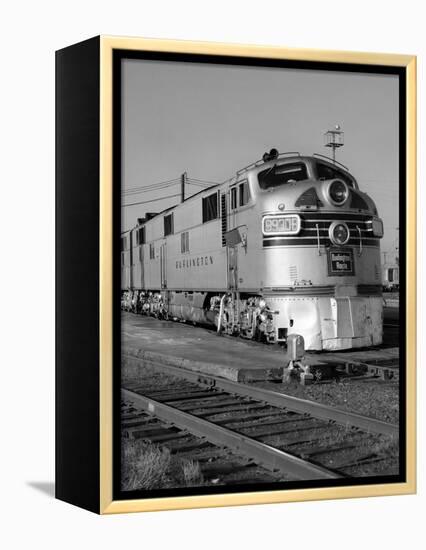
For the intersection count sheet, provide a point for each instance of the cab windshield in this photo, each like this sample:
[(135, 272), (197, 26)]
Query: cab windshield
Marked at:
[(326, 172), (282, 174)]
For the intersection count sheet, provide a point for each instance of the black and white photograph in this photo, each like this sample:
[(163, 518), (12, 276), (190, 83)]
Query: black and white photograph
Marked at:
[(213, 287), (260, 221)]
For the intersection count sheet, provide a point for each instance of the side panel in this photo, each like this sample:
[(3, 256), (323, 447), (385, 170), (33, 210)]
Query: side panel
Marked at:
[(163, 265), (251, 265), (203, 266), (152, 265), (138, 278), (77, 275)]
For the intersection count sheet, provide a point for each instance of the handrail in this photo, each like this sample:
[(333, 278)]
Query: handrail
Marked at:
[(318, 240), (360, 240), (261, 161)]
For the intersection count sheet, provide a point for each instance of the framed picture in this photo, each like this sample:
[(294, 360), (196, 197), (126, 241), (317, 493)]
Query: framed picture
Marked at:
[(235, 274)]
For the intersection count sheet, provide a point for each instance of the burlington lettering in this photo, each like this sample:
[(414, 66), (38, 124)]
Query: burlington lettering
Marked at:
[(194, 262)]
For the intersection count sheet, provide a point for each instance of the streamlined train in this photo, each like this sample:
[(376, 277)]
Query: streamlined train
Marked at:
[(289, 245)]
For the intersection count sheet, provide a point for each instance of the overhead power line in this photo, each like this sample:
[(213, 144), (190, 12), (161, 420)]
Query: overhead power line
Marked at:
[(198, 184), (155, 200), (207, 182), (157, 188), (161, 184), (204, 184), (152, 200), (152, 184), (150, 190)]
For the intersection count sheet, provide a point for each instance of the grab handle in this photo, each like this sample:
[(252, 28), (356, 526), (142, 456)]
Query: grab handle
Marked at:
[(360, 241)]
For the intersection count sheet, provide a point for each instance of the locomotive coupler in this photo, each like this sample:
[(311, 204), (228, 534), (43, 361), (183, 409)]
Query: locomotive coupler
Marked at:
[(295, 365)]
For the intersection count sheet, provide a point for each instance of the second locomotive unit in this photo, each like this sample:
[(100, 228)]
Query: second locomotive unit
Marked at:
[(289, 245)]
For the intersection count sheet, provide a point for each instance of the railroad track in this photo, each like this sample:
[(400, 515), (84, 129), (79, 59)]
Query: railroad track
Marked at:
[(216, 463), (381, 363), (365, 365), (291, 437), (217, 434)]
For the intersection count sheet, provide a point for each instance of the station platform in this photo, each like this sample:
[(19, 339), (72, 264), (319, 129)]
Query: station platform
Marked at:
[(198, 349), (146, 339)]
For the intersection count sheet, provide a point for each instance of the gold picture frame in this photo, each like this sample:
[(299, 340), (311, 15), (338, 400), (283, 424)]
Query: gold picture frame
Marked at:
[(107, 46)]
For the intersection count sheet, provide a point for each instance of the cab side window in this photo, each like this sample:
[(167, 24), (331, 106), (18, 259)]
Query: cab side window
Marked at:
[(168, 225), (233, 198), (244, 192), (210, 207)]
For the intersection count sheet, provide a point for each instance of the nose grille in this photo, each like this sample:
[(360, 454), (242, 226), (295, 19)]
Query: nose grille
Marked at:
[(315, 227)]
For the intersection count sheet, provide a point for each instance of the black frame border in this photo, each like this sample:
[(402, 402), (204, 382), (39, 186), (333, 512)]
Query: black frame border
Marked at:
[(120, 55), (77, 376)]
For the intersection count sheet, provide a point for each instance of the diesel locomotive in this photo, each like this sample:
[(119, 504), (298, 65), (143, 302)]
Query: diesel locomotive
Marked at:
[(288, 245)]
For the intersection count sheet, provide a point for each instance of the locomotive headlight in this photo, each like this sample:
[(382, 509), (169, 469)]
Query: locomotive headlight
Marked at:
[(281, 225), (377, 226), (338, 192), (339, 233)]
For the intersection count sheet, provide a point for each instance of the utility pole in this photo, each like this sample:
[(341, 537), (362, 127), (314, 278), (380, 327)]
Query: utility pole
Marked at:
[(334, 139), (182, 186)]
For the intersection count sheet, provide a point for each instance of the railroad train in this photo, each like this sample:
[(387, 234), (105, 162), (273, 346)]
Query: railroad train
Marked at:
[(288, 245)]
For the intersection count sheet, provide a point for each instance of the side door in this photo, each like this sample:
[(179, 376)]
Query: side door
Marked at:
[(163, 264)]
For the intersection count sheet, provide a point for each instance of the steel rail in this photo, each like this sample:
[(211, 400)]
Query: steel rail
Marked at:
[(379, 369), (268, 456), (283, 401)]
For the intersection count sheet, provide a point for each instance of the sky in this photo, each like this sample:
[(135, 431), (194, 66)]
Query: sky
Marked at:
[(210, 120)]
